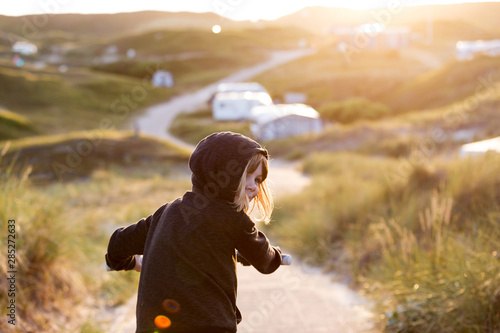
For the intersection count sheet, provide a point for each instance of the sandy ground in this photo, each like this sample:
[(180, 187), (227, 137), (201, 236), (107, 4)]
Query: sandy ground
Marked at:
[(294, 299)]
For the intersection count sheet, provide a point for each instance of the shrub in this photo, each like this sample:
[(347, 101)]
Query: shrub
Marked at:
[(352, 110)]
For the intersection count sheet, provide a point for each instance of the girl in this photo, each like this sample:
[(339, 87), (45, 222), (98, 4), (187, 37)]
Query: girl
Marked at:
[(188, 275)]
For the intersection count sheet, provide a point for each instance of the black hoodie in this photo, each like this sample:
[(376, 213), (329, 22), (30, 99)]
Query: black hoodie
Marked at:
[(189, 245)]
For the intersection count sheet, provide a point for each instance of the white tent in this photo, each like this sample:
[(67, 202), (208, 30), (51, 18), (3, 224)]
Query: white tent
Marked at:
[(284, 120)]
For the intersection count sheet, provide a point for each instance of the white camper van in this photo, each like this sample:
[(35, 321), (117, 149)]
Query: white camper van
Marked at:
[(237, 105)]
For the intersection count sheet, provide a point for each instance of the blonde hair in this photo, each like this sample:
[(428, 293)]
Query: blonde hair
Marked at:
[(264, 200)]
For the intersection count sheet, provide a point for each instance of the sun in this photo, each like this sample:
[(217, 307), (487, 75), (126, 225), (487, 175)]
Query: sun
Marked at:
[(216, 29)]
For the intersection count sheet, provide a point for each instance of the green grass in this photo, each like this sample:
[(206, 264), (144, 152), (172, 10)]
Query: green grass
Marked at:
[(14, 126), (76, 155), (328, 77), (234, 41), (425, 246), (192, 127), (447, 85), (51, 100), (188, 74)]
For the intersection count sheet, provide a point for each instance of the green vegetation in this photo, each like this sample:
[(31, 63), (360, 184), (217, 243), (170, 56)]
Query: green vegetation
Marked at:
[(393, 79), (192, 127), (234, 41), (188, 74), (328, 76), (353, 110), (449, 84), (52, 100), (76, 155), (13, 125), (62, 228), (420, 239)]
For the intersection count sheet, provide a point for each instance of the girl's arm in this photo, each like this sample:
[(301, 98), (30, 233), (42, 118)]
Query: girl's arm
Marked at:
[(256, 249), (126, 242)]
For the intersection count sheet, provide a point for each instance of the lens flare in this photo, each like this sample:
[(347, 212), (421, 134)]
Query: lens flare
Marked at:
[(162, 322), (216, 29), (171, 306)]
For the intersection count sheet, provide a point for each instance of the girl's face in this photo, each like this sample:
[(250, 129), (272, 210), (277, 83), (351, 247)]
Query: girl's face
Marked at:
[(252, 183)]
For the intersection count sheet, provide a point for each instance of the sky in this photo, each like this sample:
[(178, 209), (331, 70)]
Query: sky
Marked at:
[(234, 9)]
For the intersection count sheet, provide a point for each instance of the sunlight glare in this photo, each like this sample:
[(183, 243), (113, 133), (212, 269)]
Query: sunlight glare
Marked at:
[(216, 29)]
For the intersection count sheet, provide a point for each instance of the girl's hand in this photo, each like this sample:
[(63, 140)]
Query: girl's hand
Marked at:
[(138, 263)]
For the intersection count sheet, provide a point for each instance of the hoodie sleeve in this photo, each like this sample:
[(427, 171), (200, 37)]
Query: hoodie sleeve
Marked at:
[(255, 248), (128, 241)]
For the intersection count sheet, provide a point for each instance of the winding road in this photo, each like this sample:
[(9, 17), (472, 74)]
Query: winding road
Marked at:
[(294, 299)]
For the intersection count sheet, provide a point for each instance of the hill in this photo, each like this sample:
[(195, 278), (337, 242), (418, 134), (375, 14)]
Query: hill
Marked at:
[(479, 16), (483, 16), (33, 26), (454, 82), (78, 154)]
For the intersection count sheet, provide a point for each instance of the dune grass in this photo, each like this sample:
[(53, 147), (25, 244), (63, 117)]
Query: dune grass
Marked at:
[(424, 247), (62, 231)]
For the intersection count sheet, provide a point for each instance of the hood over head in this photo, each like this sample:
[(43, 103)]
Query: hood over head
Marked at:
[(218, 162)]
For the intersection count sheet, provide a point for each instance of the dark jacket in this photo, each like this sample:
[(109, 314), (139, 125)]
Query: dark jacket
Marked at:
[(189, 245)]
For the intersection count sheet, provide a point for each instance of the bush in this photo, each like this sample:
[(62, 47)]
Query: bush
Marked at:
[(353, 110)]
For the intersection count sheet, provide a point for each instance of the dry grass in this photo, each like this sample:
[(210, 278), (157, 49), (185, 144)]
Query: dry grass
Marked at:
[(62, 231), (426, 247)]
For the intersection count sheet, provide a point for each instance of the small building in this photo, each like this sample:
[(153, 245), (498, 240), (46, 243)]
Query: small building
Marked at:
[(24, 48), (480, 147), (284, 120), (466, 50), (237, 105), (240, 87), (163, 78)]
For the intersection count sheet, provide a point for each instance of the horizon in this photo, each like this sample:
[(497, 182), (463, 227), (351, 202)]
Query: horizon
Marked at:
[(238, 10)]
